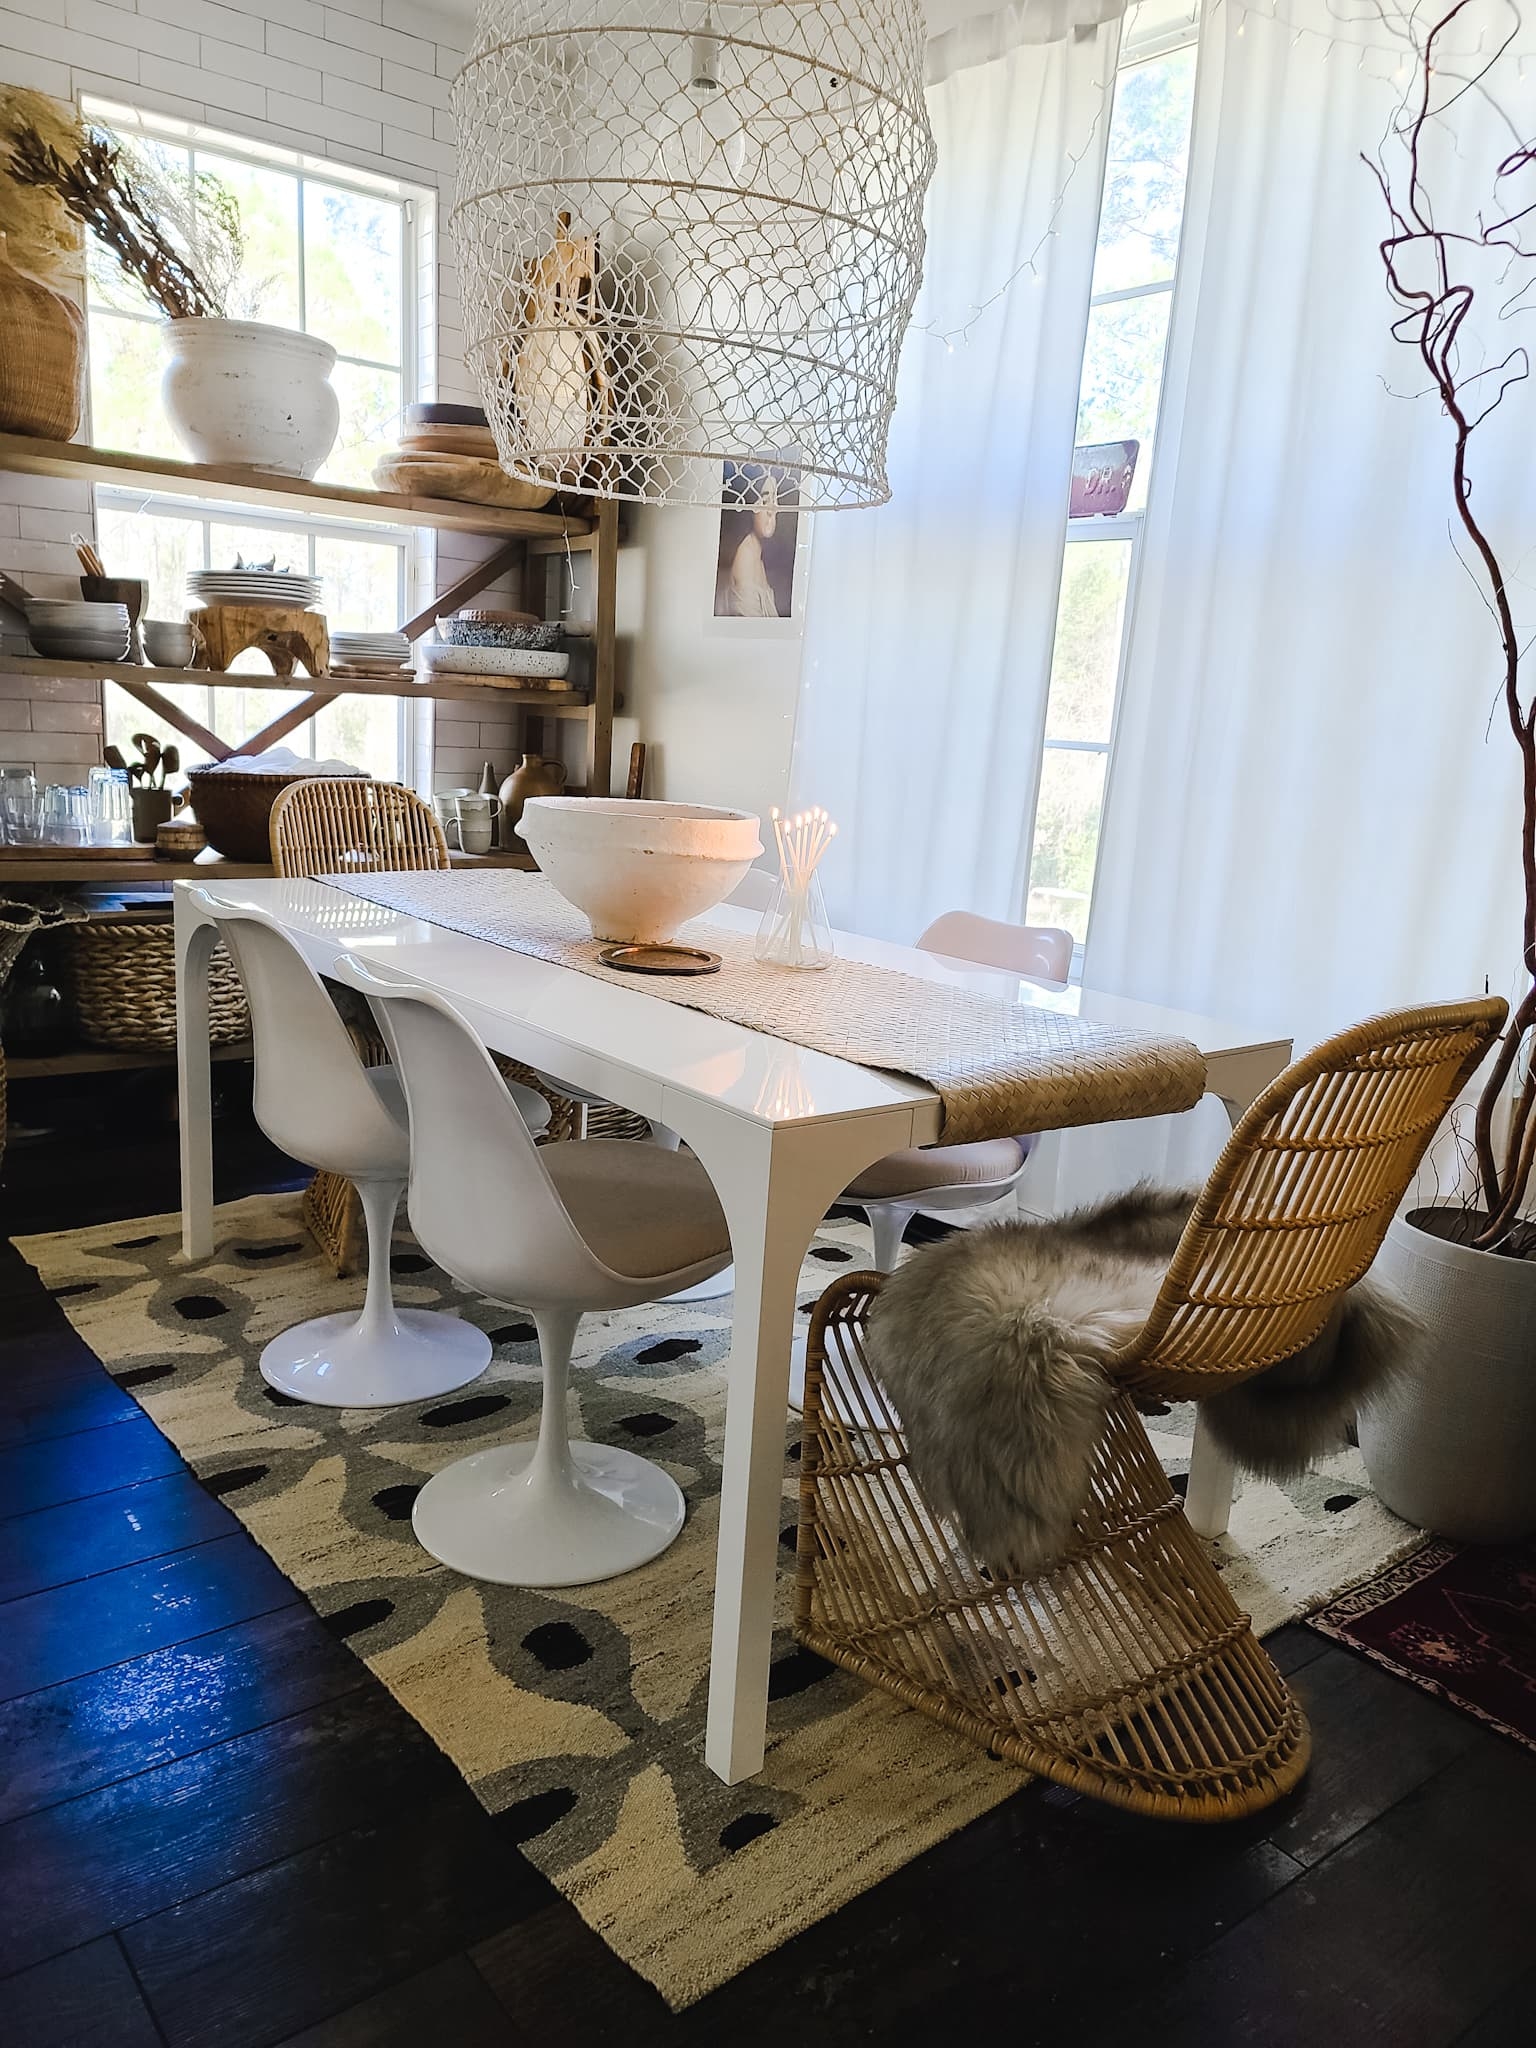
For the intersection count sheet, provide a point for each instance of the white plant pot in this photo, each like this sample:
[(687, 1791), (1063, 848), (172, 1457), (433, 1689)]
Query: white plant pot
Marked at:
[(1452, 1444), (241, 394)]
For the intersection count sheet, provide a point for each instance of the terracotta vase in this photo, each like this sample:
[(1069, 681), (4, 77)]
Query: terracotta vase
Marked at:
[(533, 776), (42, 365)]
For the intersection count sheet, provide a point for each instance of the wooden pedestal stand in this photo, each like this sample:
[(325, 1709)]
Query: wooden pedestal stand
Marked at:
[(284, 637)]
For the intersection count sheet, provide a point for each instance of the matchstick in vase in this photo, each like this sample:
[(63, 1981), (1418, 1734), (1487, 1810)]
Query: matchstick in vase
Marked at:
[(794, 931)]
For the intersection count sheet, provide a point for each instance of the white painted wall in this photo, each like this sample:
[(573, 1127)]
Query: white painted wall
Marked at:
[(713, 700)]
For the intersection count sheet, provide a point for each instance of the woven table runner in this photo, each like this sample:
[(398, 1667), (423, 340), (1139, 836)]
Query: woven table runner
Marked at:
[(998, 1068)]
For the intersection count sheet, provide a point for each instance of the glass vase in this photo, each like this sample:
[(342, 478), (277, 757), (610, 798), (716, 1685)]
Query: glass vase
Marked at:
[(794, 931)]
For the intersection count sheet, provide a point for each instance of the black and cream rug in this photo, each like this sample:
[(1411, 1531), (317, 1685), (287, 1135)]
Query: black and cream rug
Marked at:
[(580, 1714)]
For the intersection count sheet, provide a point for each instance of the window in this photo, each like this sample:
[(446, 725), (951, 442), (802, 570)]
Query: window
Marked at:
[(1140, 219), (324, 250), (327, 256), (365, 590)]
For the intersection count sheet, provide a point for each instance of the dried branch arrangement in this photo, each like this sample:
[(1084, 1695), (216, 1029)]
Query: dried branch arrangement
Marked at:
[(97, 192), (41, 235), (1430, 270)]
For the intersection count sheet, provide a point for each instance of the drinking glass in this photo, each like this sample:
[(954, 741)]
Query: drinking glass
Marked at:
[(18, 807), (111, 818), (66, 814)]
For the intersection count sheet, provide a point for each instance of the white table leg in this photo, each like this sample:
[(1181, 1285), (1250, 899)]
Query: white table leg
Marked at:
[(775, 1188), (195, 938), (1211, 1484)]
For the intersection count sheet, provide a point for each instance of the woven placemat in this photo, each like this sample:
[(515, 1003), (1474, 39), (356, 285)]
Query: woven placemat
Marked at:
[(998, 1068)]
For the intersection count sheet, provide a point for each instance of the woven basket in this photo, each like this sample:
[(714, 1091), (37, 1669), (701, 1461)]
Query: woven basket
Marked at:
[(120, 982), (18, 921), (42, 366), (235, 809)]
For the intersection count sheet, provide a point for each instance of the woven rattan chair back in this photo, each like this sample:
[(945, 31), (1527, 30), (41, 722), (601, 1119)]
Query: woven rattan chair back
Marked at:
[(1125, 1670), (1297, 1205), (349, 825)]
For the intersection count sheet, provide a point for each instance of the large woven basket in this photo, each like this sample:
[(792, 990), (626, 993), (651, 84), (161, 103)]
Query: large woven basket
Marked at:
[(120, 982), (235, 809), (42, 366)]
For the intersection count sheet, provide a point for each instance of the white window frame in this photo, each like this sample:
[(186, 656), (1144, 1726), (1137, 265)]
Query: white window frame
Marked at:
[(418, 342), (1125, 526), (209, 512)]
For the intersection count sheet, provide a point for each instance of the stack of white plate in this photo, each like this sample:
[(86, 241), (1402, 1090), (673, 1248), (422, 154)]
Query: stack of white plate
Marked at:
[(375, 652), (274, 587)]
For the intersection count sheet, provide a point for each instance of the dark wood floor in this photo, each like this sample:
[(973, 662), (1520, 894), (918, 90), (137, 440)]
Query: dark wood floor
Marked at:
[(217, 1828)]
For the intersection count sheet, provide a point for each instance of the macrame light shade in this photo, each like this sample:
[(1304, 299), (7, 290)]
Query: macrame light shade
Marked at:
[(690, 238)]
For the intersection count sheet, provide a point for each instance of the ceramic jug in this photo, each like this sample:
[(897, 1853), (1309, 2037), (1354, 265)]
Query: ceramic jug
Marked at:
[(533, 776)]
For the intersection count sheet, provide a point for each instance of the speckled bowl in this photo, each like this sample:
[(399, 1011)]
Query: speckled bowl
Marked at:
[(543, 639)]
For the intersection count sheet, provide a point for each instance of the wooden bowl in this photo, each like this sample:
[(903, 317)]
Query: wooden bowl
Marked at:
[(479, 441)]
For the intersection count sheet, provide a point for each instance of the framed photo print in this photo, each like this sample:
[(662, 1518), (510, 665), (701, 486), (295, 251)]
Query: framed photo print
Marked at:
[(757, 559)]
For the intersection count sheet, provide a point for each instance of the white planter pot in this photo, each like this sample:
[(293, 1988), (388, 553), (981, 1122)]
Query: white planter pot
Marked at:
[(1452, 1445), (244, 395)]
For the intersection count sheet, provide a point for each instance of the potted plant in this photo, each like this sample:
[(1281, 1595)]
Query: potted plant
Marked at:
[(1452, 1445), (239, 393)]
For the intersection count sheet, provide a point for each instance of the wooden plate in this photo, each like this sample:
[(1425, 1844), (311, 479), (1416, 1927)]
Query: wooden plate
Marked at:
[(660, 959)]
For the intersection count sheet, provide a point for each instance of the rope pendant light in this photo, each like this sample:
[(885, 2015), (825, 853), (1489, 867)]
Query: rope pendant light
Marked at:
[(690, 234)]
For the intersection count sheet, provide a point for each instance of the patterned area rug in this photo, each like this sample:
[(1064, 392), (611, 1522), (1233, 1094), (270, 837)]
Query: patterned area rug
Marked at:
[(580, 1714), (1459, 1623)]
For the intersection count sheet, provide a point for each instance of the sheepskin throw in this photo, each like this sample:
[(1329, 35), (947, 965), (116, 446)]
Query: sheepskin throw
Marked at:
[(991, 1346)]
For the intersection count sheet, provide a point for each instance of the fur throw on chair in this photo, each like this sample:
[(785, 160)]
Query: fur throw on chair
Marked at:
[(990, 1344)]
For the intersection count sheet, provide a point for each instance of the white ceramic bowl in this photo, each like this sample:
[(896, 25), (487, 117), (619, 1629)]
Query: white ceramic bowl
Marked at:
[(77, 611), (169, 643), (639, 869)]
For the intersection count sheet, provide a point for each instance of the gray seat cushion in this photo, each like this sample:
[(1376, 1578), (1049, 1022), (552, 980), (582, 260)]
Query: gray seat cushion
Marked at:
[(643, 1211), (921, 1167)]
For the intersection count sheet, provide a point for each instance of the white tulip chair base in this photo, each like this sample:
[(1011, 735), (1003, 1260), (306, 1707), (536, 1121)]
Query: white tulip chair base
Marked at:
[(351, 1361), (578, 1513)]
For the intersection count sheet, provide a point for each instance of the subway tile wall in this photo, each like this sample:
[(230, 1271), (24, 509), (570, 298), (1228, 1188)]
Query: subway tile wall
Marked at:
[(362, 81)]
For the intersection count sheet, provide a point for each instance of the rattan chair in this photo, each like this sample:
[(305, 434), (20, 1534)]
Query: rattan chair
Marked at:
[(1125, 1670), (349, 825)]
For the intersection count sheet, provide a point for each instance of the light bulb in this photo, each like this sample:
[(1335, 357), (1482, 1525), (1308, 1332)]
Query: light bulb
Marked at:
[(704, 143)]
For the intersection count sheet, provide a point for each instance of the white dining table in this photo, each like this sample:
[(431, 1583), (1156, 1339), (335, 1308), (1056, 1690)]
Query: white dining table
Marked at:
[(780, 1129)]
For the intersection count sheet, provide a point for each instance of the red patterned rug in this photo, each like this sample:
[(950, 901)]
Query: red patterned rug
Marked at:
[(1461, 1623)]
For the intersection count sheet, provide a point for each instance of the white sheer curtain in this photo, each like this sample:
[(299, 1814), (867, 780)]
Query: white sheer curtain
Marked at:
[(929, 621), (1312, 811)]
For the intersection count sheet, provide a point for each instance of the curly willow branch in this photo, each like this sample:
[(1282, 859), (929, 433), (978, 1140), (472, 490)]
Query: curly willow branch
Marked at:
[(1435, 302)]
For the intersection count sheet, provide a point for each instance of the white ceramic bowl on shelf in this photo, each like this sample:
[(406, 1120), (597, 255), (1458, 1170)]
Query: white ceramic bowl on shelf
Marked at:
[(639, 869)]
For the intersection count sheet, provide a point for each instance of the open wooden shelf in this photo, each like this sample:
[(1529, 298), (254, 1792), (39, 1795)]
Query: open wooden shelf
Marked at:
[(94, 1060), (26, 455), (552, 703), (107, 869)]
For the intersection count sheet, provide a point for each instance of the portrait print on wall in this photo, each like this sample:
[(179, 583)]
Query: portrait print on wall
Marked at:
[(759, 529)]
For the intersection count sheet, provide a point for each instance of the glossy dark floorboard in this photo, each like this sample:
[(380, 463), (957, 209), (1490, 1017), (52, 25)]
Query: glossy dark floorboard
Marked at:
[(218, 1830)]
